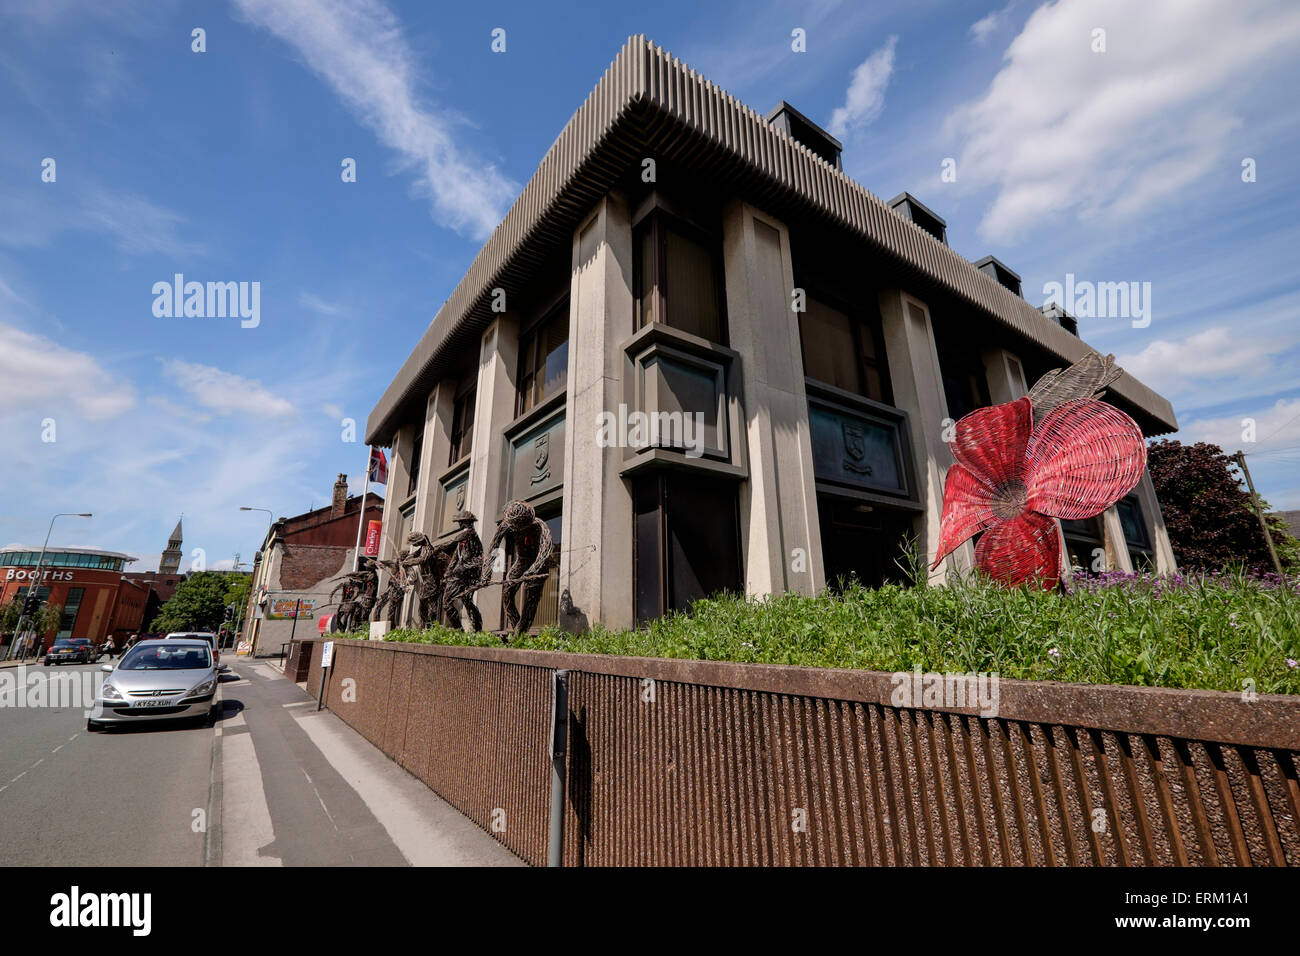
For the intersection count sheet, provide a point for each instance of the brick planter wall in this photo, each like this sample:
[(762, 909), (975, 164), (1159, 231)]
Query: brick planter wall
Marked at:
[(695, 762)]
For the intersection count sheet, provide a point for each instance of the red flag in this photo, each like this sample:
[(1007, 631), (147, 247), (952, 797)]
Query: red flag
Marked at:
[(378, 467)]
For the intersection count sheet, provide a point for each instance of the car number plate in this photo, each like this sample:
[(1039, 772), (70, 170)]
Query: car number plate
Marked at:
[(153, 702)]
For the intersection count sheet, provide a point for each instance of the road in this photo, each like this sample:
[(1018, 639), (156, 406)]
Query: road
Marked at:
[(273, 783)]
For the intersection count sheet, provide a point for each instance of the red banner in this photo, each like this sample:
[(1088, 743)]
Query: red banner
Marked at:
[(372, 538)]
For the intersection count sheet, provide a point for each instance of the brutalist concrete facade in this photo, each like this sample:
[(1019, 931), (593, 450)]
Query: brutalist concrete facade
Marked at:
[(662, 197)]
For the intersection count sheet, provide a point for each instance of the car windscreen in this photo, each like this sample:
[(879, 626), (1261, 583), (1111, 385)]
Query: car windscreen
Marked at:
[(62, 644), (167, 657)]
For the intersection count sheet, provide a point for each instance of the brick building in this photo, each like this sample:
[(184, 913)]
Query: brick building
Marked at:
[(299, 560), (85, 582)]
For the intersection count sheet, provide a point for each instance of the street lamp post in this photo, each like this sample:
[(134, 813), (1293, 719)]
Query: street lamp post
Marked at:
[(19, 637)]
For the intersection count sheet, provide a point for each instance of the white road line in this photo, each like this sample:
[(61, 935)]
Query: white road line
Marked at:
[(245, 817), (57, 749), (37, 764), (19, 777)]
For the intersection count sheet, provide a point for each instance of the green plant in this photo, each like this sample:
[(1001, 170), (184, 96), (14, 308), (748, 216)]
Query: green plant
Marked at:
[(1210, 631)]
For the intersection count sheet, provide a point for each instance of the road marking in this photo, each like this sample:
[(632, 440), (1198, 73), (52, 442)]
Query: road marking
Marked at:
[(246, 824), (57, 749), (37, 764), (320, 799), (74, 737), (19, 777)]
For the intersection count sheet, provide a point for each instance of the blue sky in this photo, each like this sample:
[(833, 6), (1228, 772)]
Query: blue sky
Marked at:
[(1122, 165)]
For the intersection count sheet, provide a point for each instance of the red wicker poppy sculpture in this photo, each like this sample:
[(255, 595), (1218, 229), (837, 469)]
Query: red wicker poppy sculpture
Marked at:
[(1013, 474)]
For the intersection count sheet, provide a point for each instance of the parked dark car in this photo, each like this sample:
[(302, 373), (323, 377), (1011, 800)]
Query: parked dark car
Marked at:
[(70, 651)]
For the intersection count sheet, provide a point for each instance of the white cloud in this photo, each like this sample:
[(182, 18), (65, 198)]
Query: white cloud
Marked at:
[(316, 304), (332, 411), (984, 27), (866, 95), (43, 376), (357, 47), (1275, 428), (1202, 358), (225, 392), (1110, 134)]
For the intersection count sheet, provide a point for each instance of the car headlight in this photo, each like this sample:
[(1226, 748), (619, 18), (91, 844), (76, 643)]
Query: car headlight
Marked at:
[(200, 689), (111, 692)]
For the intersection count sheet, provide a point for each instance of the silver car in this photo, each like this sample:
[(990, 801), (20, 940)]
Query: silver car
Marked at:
[(159, 680)]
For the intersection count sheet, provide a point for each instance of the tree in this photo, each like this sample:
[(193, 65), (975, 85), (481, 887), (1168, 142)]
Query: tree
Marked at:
[(1208, 513), (198, 605), (237, 592)]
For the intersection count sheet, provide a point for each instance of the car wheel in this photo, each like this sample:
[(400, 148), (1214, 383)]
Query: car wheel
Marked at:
[(46, 662)]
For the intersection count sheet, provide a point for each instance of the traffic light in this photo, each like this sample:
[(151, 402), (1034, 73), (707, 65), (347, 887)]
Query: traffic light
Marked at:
[(31, 604), (230, 612)]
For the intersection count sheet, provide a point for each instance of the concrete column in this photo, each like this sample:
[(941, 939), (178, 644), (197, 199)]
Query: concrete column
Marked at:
[(1166, 563), (1117, 558), (778, 504), (1005, 376), (596, 527), (437, 443), (494, 409), (918, 390), (399, 475)]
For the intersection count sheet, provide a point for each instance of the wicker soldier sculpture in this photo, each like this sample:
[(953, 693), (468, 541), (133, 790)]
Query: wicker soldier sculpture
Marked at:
[(360, 590), (530, 539), (461, 578), (394, 592), (429, 564)]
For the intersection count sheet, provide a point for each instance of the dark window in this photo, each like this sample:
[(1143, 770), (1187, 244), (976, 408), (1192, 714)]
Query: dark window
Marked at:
[(417, 453), (678, 278), (843, 352), (544, 359), (1135, 533), (862, 542), (1082, 539), (462, 426), (687, 542), (71, 606), (965, 385)]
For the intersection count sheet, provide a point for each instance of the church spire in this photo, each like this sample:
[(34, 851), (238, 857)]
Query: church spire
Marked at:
[(170, 562)]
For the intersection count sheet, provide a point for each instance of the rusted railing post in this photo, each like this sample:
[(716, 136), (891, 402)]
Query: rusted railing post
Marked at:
[(559, 745)]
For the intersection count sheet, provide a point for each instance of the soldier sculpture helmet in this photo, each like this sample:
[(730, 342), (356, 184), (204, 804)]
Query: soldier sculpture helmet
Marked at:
[(464, 517)]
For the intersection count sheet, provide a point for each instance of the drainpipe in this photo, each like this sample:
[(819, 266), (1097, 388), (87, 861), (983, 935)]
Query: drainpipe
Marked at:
[(559, 746)]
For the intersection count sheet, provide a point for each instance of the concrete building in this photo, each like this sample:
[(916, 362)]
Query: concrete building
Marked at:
[(677, 254), (297, 567)]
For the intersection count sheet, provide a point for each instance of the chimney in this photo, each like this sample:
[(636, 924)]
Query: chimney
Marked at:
[(340, 503)]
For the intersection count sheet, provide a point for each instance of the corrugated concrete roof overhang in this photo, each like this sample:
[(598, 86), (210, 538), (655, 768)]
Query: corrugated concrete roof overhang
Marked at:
[(650, 102)]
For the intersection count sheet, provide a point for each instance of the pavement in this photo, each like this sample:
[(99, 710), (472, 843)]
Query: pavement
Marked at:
[(273, 783)]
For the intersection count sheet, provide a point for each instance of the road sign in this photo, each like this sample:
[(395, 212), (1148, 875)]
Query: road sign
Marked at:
[(327, 655)]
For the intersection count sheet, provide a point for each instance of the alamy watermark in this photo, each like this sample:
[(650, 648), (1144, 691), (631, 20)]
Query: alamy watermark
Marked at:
[(40, 689), (211, 300), (624, 429), (973, 691), (1102, 300)]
